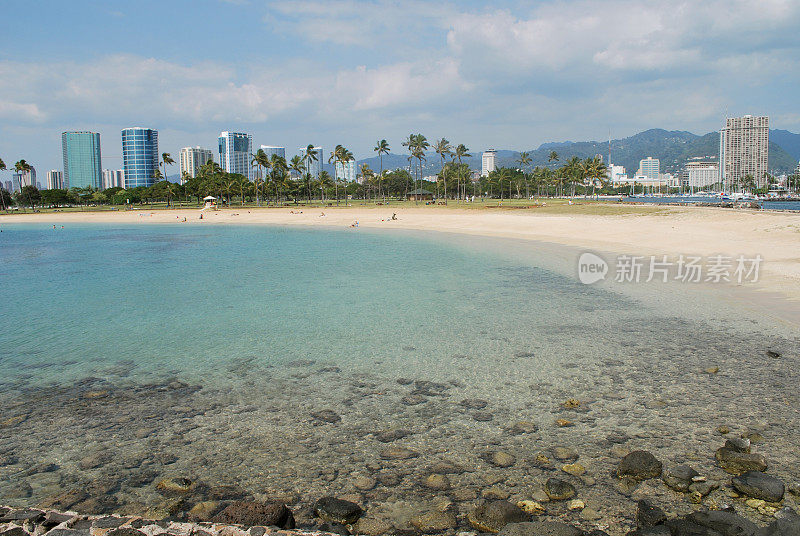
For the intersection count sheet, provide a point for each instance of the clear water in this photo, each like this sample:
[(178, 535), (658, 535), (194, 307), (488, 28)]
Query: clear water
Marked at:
[(131, 354), (766, 205)]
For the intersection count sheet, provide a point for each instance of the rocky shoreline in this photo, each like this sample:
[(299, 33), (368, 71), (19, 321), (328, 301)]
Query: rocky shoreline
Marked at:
[(749, 502)]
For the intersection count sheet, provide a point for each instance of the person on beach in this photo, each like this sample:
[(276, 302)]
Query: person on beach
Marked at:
[(394, 216)]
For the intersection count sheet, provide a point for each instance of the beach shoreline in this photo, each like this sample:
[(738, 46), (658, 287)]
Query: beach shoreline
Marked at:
[(656, 231)]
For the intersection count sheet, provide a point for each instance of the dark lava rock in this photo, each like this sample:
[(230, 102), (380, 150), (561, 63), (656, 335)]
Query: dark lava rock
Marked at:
[(405, 381), (126, 531), (492, 516), (387, 436), (326, 415), (336, 510), (24, 514), (725, 522), (559, 490), (679, 477), (254, 531), (15, 531), (737, 463), (8, 459), (482, 416), (474, 403), (109, 522), (781, 527), (445, 468), (703, 488), (333, 528), (51, 519), (773, 354), (640, 465), (251, 513), (68, 532), (759, 486), (649, 515), (658, 530), (175, 486), (523, 427), (540, 528), (428, 388), (398, 453), (738, 444)]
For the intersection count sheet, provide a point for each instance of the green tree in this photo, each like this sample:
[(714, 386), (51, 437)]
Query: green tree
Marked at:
[(297, 165), (3, 192), (166, 160), (367, 176), (325, 181), (382, 148), (310, 156), (524, 160), (21, 166), (552, 157), (31, 195), (460, 152), (443, 149), (279, 169)]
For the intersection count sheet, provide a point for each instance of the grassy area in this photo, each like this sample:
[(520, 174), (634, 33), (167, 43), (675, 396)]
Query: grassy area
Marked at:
[(580, 206)]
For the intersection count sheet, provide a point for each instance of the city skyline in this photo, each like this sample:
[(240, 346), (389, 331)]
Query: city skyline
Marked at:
[(514, 88)]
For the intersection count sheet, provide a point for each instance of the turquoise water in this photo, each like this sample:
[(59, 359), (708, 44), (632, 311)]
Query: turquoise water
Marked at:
[(129, 354)]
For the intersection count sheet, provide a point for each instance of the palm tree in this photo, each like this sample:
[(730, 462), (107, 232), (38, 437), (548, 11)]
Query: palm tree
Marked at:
[(309, 156), (166, 160), (296, 164), (382, 148), (21, 167), (553, 157), (523, 160), (597, 171), (324, 182), (279, 168), (572, 171), (2, 196), (462, 152), (340, 155), (443, 149), (333, 159), (366, 176), (261, 161)]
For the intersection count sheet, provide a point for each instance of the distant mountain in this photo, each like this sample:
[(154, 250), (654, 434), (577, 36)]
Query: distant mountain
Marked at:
[(672, 148), (789, 141)]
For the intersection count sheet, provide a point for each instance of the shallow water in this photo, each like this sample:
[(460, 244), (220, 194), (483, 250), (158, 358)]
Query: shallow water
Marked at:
[(130, 354)]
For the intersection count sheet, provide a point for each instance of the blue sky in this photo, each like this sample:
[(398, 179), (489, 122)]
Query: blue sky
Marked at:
[(488, 74)]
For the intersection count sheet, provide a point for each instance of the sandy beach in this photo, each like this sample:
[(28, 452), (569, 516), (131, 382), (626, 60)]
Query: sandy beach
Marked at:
[(657, 231)]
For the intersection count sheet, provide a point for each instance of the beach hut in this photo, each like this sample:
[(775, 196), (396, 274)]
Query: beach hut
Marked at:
[(419, 195)]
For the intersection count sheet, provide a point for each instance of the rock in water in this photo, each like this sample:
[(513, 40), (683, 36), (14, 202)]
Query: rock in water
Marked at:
[(435, 522), (251, 513), (738, 444), (540, 528), (175, 486), (326, 415), (337, 510), (679, 477), (398, 453), (501, 459), (737, 463), (759, 486), (649, 515), (640, 465), (492, 516), (723, 522), (558, 490)]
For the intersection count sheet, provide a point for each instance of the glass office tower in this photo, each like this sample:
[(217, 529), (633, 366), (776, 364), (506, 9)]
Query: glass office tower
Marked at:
[(139, 156), (82, 165)]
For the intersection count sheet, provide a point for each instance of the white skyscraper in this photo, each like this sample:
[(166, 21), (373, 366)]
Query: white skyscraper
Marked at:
[(744, 150), (235, 149), (347, 172), (650, 167), (113, 178), (488, 162), (55, 180), (273, 149), (700, 173), (191, 159), (315, 168)]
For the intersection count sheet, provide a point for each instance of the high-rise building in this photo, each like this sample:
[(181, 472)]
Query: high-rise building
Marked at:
[(25, 178), (700, 173), (488, 162), (617, 174), (272, 149), (8, 185), (55, 180), (744, 149), (649, 167), (113, 178), (315, 167), (191, 159), (346, 172), (82, 164), (234, 153), (139, 156)]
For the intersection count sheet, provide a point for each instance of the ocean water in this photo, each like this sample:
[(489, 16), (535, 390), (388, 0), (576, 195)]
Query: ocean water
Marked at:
[(766, 204), (284, 362)]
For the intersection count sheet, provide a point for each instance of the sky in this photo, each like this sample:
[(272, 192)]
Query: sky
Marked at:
[(503, 74)]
